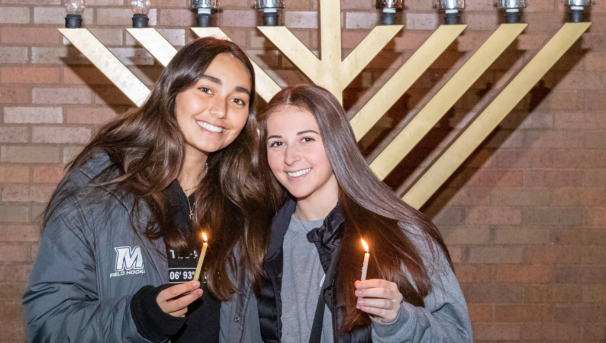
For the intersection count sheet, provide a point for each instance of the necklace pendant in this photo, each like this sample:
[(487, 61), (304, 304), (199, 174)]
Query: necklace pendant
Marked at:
[(191, 215)]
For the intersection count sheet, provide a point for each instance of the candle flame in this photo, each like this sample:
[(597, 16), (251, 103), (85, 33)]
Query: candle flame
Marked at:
[(205, 238), (365, 245)]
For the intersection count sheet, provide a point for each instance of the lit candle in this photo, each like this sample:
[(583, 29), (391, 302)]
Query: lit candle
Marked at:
[(201, 259), (365, 265)]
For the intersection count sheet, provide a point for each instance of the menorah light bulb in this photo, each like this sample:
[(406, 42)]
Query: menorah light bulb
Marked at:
[(270, 10), (388, 10), (204, 9), (140, 10), (451, 10), (512, 9), (74, 9), (577, 10)]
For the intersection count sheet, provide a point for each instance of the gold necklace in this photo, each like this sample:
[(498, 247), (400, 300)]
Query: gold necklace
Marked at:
[(191, 209)]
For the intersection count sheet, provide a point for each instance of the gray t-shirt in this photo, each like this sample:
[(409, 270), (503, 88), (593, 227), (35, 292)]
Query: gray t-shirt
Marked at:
[(301, 284)]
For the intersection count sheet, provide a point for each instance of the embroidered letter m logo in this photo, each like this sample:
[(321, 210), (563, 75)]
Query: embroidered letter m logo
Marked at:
[(128, 258)]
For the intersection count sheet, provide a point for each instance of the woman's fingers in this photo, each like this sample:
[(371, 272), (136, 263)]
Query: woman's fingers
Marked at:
[(174, 300), (380, 298)]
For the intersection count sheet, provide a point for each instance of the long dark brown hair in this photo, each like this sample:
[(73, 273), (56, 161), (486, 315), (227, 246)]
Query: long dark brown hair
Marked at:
[(147, 149), (371, 210)]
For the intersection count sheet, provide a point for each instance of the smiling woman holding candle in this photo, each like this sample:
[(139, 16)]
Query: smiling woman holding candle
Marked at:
[(121, 234), (329, 199)]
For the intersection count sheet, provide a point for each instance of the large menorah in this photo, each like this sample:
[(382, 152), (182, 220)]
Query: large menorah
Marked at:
[(334, 73)]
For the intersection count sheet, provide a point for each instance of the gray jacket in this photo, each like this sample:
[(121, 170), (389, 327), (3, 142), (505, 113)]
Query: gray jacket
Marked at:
[(90, 264)]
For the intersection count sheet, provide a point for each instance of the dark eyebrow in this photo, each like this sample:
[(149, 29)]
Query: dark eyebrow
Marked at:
[(213, 79), (273, 136), (218, 81), (307, 131)]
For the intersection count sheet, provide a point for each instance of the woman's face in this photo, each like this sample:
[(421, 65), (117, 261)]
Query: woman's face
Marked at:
[(296, 154), (212, 113)]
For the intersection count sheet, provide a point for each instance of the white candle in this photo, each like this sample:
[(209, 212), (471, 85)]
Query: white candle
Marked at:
[(365, 265), (201, 259)]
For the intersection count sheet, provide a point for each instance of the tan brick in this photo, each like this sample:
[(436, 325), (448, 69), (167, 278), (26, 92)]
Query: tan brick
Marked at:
[(15, 272), (60, 134), (14, 95), (232, 18), (580, 236), (496, 331), (467, 273), (70, 152), (113, 2), (595, 61), (579, 197), (553, 178), (594, 255), (594, 293), (596, 216), (521, 235), (303, 20), (526, 158), (33, 115), (580, 314), (580, 274), (580, 159), (14, 213), (523, 313), (479, 313), (111, 96), (133, 56), (84, 76), (41, 193), (555, 138), (10, 173), (421, 21), (56, 15), (15, 193), (89, 115), (448, 216), (15, 252), (489, 178), (481, 21), (11, 311), (33, 2), (520, 197), (579, 120), (523, 274), (497, 255), (108, 36), (29, 154), (59, 55), (14, 15), (494, 215), (11, 290), (552, 254), (13, 54), (61, 96), (594, 332), (595, 101), (492, 293), (409, 40), (30, 35), (14, 330), (114, 16), (465, 235), (48, 174), (552, 293), (183, 17), (542, 216), (29, 75), (595, 178), (19, 233), (550, 331), (14, 134)]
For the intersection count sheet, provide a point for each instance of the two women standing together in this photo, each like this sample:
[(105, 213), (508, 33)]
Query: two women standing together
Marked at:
[(284, 196)]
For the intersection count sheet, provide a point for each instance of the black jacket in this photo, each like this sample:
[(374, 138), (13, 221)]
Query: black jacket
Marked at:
[(327, 239)]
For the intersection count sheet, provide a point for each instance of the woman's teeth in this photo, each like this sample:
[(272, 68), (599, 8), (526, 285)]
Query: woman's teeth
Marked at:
[(209, 127), (299, 173)]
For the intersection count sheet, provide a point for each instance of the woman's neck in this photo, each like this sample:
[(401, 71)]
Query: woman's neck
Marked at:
[(194, 164), (319, 204)]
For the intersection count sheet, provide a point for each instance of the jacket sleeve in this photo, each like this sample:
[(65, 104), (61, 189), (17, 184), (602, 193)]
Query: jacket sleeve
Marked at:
[(443, 319), (61, 302)]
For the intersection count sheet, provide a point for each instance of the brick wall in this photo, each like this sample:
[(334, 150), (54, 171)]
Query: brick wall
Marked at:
[(524, 218)]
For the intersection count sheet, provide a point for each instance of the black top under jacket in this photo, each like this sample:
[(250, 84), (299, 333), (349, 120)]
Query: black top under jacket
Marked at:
[(202, 322), (326, 239)]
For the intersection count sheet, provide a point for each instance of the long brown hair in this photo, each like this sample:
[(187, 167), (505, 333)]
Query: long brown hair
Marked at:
[(147, 150), (371, 210)]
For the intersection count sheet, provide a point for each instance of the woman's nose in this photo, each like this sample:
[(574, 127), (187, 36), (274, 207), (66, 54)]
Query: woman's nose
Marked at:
[(291, 155)]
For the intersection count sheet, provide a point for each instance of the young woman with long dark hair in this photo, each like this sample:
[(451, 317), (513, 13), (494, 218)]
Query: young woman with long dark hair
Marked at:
[(329, 199), (121, 234)]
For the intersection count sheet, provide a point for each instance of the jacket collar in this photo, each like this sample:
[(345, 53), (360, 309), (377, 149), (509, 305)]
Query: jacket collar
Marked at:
[(326, 238)]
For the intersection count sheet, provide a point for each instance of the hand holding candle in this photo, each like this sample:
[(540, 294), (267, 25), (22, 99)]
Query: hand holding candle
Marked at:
[(201, 259)]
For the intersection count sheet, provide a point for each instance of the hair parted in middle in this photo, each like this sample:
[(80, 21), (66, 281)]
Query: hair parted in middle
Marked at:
[(147, 149), (371, 210)]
